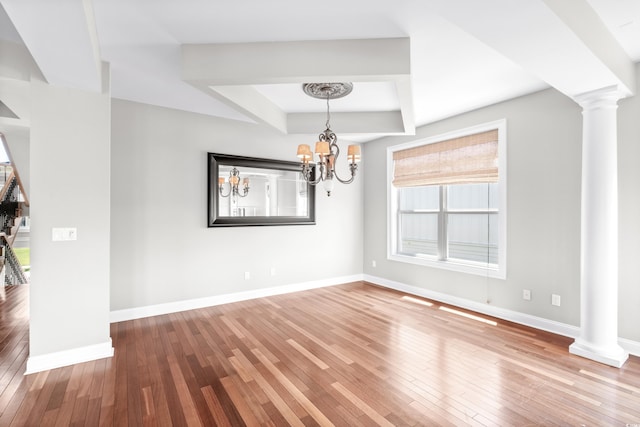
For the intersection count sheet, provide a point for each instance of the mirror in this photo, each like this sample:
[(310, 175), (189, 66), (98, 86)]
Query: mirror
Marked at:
[(251, 191)]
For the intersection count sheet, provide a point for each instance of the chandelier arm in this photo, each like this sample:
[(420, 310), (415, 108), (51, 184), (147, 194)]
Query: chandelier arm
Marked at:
[(220, 188), (315, 181), (306, 174), (334, 145), (346, 181)]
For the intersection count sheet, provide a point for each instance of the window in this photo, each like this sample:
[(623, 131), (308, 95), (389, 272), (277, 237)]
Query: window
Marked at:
[(447, 201)]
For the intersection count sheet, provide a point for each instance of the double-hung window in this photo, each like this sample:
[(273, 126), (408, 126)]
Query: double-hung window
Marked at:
[(447, 201)]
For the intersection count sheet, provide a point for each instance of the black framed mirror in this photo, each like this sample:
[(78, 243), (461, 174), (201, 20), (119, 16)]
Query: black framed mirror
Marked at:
[(245, 191)]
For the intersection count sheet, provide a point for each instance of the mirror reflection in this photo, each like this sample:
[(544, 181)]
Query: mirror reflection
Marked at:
[(247, 191)]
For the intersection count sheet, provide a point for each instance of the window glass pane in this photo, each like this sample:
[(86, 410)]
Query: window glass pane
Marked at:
[(419, 234), (473, 237), (473, 196), (419, 198)]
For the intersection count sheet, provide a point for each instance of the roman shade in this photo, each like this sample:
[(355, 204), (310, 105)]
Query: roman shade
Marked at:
[(464, 160)]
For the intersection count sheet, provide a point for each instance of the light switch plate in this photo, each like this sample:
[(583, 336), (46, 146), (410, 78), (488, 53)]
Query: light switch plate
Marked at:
[(64, 234)]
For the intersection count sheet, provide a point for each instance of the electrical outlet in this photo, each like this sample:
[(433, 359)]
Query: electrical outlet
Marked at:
[(247, 275), (555, 300), (526, 294), (373, 263), (273, 271)]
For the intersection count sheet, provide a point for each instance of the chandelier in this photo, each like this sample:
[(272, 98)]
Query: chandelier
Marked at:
[(327, 146), (235, 188)]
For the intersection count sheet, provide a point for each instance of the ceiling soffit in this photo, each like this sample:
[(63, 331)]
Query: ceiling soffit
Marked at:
[(229, 72)]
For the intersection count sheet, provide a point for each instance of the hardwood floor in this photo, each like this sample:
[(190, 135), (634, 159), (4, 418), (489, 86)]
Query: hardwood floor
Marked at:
[(350, 355)]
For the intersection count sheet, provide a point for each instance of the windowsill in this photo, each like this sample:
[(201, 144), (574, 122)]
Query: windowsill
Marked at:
[(462, 267)]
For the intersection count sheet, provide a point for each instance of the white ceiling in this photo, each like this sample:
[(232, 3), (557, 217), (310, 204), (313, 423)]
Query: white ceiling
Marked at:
[(464, 54)]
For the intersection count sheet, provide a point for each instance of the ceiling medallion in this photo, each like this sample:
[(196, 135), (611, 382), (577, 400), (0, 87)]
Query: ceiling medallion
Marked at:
[(327, 90)]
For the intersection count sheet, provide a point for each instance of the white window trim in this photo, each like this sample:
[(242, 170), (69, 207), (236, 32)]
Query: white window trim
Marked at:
[(392, 205)]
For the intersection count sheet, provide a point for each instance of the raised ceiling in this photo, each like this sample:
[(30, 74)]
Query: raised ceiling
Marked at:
[(461, 54)]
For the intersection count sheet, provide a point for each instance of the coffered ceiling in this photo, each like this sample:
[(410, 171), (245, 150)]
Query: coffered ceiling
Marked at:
[(412, 62)]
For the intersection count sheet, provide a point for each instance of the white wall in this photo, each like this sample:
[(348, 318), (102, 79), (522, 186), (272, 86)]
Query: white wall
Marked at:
[(544, 132), (69, 188), (161, 248)]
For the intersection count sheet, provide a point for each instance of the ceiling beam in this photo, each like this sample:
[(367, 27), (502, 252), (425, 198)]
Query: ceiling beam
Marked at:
[(227, 71), (251, 103), (585, 23), (62, 38), (562, 42)]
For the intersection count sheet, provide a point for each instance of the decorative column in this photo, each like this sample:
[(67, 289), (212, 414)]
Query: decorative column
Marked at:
[(598, 338)]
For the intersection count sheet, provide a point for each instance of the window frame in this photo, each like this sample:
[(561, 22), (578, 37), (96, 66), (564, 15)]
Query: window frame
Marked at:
[(393, 214)]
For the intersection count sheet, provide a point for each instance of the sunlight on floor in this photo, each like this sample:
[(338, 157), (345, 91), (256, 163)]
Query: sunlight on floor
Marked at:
[(469, 316), (611, 381), (417, 301)]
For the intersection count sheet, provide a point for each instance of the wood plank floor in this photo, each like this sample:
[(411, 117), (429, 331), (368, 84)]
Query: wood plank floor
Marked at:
[(350, 355)]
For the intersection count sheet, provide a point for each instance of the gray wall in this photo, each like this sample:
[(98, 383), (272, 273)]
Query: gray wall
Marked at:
[(161, 248), (629, 214), (69, 293), (544, 133)]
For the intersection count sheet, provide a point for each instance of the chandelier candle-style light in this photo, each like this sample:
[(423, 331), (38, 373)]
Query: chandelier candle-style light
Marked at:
[(234, 185), (327, 146)]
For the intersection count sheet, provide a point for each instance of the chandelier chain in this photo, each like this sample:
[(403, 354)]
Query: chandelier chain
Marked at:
[(328, 114)]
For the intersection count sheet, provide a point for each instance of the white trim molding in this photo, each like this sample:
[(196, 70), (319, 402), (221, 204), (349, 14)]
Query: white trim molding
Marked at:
[(631, 347), (192, 304), (571, 331), (59, 359), (393, 252)]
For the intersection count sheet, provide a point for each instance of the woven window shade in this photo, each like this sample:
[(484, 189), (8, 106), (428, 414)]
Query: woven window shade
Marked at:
[(464, 160)]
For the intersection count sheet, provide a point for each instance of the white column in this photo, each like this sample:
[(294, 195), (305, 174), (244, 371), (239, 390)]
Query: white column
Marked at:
[(598, 338)]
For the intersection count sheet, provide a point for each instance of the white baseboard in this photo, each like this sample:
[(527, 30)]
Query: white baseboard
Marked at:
[(59, 359), (632, 347), (174, 307)]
